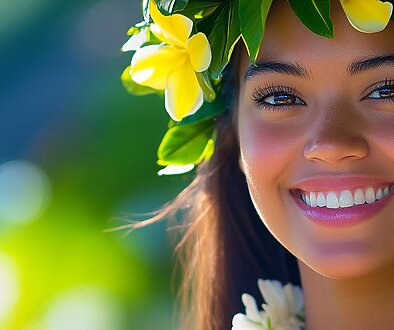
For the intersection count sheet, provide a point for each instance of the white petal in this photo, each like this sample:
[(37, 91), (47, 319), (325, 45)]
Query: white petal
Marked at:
[(136, 41), (252, 311), (175, 169), (240, 322), (272, 292)]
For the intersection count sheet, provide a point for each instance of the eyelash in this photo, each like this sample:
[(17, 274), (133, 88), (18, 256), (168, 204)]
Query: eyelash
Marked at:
[(261, 93)]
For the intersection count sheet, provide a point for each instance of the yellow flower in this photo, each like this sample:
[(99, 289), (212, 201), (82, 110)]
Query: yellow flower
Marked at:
[(174, 64), (367, 15)]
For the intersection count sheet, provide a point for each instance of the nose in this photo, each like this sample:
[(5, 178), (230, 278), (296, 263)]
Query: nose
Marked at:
[(338, 136)]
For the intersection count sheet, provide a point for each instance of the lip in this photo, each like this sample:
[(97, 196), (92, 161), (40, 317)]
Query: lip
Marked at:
[(345, 182), (341, 217)]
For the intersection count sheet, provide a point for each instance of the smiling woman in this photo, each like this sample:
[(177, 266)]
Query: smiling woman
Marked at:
[(295, 145)]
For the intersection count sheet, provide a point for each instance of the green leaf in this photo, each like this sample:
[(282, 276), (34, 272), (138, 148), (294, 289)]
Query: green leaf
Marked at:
[(186, 144), (252, 17), (134, 88), (206, 86), (137, 28), (315, 14), (168, 7), (208, 110), (269, 324), (197, 9), (207, 152), (145, 10), (223, 31), (392, 2)]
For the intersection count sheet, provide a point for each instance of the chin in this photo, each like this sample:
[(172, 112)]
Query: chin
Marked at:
[(342, 264)]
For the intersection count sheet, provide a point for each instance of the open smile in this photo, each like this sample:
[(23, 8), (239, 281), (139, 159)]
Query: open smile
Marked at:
[(343, 208), (345, 198)]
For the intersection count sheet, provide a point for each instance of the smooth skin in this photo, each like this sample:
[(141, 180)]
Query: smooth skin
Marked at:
[(330, 128)]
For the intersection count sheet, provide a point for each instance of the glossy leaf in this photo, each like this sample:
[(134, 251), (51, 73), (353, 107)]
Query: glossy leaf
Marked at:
[(252, 16), (207, 88), (207, 152), (197, 9), (145, 10), (223, 31), (186, 144), (169, 7), (315, 14)]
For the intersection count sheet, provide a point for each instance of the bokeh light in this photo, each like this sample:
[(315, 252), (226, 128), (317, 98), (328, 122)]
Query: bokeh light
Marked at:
[(9, 286), (78, 156), (15, 14), (83, 308), (24, 191)]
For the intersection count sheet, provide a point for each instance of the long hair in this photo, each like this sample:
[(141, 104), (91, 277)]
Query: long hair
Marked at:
[(224, 247)]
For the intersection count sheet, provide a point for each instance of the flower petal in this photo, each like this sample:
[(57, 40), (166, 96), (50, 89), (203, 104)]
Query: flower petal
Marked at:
[(183, 95), (151, 65), (272, 292), (368, 15), (299, 299), (136, 40), (252, 312), (173, 30), (241, 322), (200, 52), (175, 169)]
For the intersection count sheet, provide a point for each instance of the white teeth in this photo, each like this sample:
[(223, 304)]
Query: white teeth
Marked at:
[(313, 199), (359, 197), (370, 196), (308, 201), (346, 198), (321, 200), (379, 194), (332, 201)]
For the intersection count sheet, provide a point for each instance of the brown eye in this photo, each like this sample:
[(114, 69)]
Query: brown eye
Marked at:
[(387, 92), (383, 92), (276, 98), (282, 99)]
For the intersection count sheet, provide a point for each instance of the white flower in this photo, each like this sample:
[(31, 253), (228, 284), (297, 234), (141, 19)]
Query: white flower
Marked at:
[(283, 305), (136, 40)]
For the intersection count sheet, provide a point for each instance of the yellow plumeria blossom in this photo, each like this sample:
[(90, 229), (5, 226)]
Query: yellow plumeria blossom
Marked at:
[(174, 64), (367, 15)]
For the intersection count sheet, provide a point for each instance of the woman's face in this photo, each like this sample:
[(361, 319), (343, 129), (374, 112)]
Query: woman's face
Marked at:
[(322, 117)]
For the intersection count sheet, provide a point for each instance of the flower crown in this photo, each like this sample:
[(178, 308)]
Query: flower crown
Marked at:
[(185, 54)]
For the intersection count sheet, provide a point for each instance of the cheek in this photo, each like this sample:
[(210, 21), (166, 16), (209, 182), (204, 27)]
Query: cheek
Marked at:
[(269, 149), (384, 138), (269, 152)]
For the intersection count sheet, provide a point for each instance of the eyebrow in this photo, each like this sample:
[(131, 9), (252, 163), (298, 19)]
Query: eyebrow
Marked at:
[(297, 70), (293, 69), (370, 63)]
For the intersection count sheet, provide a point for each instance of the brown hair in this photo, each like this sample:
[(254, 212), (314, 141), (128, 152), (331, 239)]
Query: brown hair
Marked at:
[(224, 246)]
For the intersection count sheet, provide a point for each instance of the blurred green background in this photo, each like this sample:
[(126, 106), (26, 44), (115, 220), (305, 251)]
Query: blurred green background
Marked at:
[(77, 153)]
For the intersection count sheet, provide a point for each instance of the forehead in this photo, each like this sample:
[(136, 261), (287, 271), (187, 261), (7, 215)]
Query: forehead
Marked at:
[(287, 39)]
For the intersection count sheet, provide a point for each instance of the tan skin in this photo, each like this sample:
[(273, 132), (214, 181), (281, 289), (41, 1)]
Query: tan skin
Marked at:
[(347, 273)]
